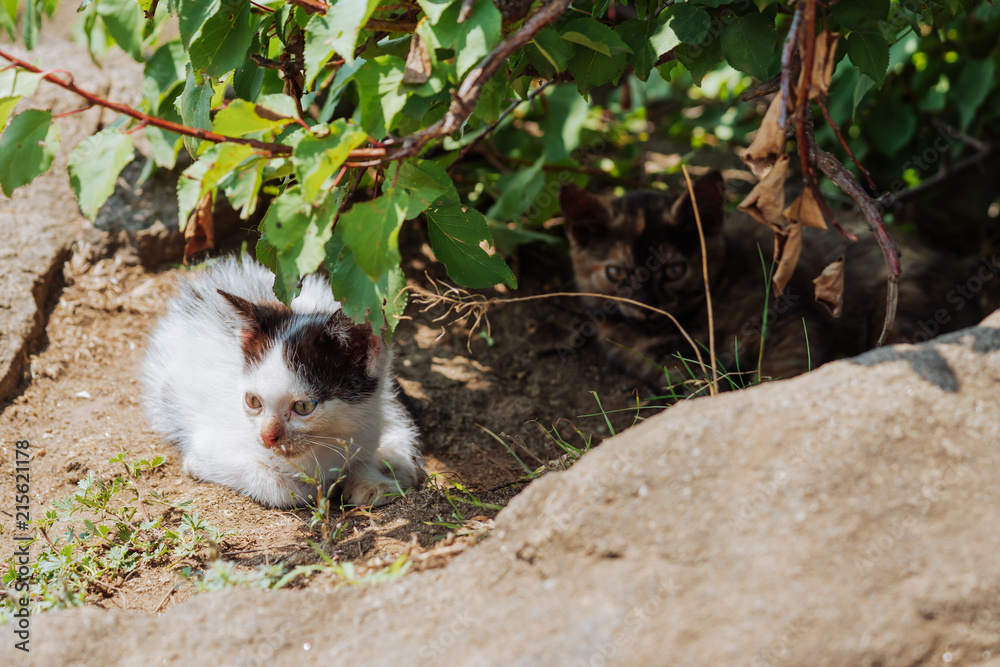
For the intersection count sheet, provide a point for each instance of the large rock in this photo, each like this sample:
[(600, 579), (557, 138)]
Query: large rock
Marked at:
[(40, 221), (846, 517)]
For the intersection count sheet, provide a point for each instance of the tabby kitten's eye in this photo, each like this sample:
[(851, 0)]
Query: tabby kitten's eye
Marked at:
[(614, 273), (304, 407), (251, 401), (675, 270)]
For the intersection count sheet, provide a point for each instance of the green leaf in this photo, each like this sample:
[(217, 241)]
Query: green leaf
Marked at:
[(202, 177), (124, 21), (479, 34), (553, 48), (381, 301), (974, 84), (425, 184), (594, 36), (222, 44), (8, 18), (869, 53), (94, 166), (700, 60), (298, 231), (371, 230), (562, 125), (640, 35), (690, 24), (191, 17), (891, 126), (378, 83), (748, 44), (335, 33), (163, 73), (27, 147), (455, 236), (7, 105), (592, 68), (243, 188), (31, 20), (433, 9), (860, 14), (517, 192), (194, 102), (241, 118), (18, 83), (316, 158)]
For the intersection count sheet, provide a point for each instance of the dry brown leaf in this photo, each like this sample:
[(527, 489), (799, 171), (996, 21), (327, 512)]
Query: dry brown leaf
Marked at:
[(199, 233), (823, 62), (418, 61), (787, 248), (766, 202), (769, 143), (830, 287), (805, 210)]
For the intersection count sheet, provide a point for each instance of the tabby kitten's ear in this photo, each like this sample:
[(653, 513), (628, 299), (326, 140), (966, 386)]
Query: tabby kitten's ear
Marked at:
[(585, 216), (709, 193)]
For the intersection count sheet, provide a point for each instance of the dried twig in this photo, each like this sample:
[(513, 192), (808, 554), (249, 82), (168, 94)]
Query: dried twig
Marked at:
[(713, 387), (463, 305)]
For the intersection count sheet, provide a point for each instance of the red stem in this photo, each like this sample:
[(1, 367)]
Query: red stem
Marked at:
[(177, 128)]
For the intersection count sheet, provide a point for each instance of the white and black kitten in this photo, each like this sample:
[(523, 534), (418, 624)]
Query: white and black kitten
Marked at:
[(264, 398)]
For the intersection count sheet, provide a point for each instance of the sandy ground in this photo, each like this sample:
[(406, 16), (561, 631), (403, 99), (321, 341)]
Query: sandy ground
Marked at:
[(82, 407)]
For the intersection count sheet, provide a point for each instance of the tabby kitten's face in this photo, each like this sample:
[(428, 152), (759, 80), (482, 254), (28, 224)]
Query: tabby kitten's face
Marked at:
[(644, 246)]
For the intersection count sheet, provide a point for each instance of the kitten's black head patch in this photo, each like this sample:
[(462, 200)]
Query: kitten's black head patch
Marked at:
[(261, 324), (337, 359)]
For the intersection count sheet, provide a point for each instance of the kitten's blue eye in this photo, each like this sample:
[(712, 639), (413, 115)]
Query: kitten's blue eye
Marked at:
[(614, 273), (304, 407), (251, 401)]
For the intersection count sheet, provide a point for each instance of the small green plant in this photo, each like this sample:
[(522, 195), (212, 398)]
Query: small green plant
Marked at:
[(107, 534), (456, 495)]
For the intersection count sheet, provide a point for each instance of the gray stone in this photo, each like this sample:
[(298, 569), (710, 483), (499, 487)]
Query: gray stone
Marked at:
[(845, 517)]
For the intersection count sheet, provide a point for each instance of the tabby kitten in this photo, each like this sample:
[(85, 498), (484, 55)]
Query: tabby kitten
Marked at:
[(265, 398), (645, 247)]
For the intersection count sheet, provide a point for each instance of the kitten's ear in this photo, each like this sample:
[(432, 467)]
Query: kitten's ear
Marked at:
[(709, 193), (245, 309), (358, 342), (585, 216), (259, 323)]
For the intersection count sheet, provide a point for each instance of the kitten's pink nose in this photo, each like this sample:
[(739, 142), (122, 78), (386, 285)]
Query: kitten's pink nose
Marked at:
[(270, 436)]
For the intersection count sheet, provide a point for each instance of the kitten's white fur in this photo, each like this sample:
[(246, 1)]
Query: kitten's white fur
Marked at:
[(195, 380)]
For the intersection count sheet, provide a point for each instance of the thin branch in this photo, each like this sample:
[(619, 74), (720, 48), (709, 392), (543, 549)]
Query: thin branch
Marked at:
[(768, 87), (503, 116), (845, 180), (808, 53), (177, 128), (840, 137), (464, 101), (890, 199)]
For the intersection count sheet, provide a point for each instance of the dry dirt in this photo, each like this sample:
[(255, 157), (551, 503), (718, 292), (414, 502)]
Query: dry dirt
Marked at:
[(82, 406)]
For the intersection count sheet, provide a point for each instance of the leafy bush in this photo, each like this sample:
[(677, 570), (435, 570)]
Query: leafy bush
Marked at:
[(349, 118)]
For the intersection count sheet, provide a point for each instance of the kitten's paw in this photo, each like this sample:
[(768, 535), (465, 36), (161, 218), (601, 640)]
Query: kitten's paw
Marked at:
[(372, 492)]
